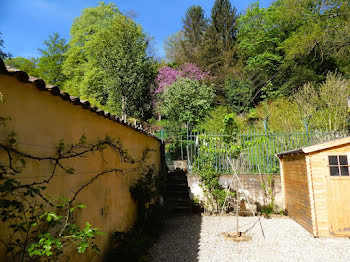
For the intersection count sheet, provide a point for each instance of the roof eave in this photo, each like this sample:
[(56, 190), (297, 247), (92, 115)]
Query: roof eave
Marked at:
[(290, 152)]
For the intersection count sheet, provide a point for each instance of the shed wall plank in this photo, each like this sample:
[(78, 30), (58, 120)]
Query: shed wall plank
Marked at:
[(297, 190)]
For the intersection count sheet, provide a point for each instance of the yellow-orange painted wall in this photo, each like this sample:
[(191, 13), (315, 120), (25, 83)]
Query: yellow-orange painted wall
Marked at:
[(40, 120)]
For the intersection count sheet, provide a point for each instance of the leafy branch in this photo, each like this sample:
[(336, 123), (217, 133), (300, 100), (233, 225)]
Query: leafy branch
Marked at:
[(41, 224)]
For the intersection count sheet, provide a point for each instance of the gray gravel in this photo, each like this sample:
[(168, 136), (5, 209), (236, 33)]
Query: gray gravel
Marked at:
[(197, 238)]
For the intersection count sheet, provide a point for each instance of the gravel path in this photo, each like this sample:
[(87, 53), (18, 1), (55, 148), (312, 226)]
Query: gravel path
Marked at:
[(193, 238)]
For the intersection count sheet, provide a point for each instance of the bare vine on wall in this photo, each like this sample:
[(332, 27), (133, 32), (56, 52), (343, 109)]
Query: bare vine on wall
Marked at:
[(40, 224)]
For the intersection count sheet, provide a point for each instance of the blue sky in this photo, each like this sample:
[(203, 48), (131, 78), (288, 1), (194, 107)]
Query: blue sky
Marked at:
[(25, 24)]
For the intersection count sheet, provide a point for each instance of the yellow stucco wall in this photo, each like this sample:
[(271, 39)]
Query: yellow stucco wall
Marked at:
[(40, 120)]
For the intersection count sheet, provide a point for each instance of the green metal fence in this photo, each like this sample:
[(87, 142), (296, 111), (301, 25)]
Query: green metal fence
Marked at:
[(258, 148)]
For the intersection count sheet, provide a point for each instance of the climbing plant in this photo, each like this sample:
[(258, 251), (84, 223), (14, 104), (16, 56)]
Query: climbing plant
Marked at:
[(134, 244), (41, 224), (205, 165), (206, 168)]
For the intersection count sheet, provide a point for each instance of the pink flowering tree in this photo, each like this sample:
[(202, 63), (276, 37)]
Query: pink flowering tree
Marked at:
[(167, 75)]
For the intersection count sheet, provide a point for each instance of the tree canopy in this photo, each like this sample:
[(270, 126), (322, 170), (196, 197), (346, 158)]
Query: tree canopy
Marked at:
[(121, 49), (107, 61), (186, 100), (260, 57), (291, 42), (28, 65), (51, 60), (3, 54)]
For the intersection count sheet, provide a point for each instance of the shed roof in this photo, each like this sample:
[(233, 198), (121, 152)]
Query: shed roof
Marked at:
[(54, 90), (317, 147)]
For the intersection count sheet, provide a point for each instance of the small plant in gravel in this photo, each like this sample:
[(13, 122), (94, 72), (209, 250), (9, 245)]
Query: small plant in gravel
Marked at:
[(269, 195)]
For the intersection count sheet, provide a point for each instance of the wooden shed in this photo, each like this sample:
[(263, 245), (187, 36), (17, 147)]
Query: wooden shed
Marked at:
[(316, 187)]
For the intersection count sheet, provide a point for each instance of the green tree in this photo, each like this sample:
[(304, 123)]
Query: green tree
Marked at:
[(51, 60), (186, 100), (185, 46), (107, 61), (239, 94), (208, 43), (223, 22), (324, 31), (85, 78), (219, 48), (173, 48), (214, 121), (291, 43), (325, 105), (122, 52), (194, 26), (28, 65), (3, 54), (260, 35)]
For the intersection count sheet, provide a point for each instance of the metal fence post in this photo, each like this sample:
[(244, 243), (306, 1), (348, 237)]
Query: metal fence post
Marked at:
[(258, 148), (188, 155), (306, 126), (265, 123)]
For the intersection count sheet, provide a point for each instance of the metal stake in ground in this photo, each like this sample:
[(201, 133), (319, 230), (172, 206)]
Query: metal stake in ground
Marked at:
[(237, 206), (237, 236), (240, 236)]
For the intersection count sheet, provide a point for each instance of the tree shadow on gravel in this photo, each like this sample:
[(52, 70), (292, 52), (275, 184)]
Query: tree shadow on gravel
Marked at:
[(178, 240)]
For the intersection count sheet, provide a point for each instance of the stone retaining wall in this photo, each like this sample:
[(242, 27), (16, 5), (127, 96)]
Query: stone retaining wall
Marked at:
[(252, 185)]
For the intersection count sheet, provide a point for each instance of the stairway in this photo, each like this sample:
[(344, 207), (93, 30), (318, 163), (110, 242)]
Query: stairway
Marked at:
[(177, 196)]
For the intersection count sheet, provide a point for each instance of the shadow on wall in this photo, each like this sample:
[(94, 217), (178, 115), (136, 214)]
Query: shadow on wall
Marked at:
[(179, 240)]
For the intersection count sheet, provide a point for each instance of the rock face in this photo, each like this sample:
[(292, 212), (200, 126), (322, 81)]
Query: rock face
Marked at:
[(177, 196)]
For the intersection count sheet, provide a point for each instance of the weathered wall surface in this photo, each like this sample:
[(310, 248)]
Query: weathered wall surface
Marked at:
[(182, 164), (40, 120), (251, 184)]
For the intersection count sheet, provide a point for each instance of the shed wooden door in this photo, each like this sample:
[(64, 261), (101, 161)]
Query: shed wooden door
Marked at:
[(339, 196)]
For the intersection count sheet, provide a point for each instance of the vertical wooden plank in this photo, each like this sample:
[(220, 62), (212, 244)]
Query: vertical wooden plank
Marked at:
[(311, 195), (283, 182)]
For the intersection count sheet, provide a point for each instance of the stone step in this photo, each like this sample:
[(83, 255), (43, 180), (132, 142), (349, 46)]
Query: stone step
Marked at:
[(183, 202), (179, 200), (178, 211), (177, 179), (177, 187), (183, 193), (177, 196), (182, 208)]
